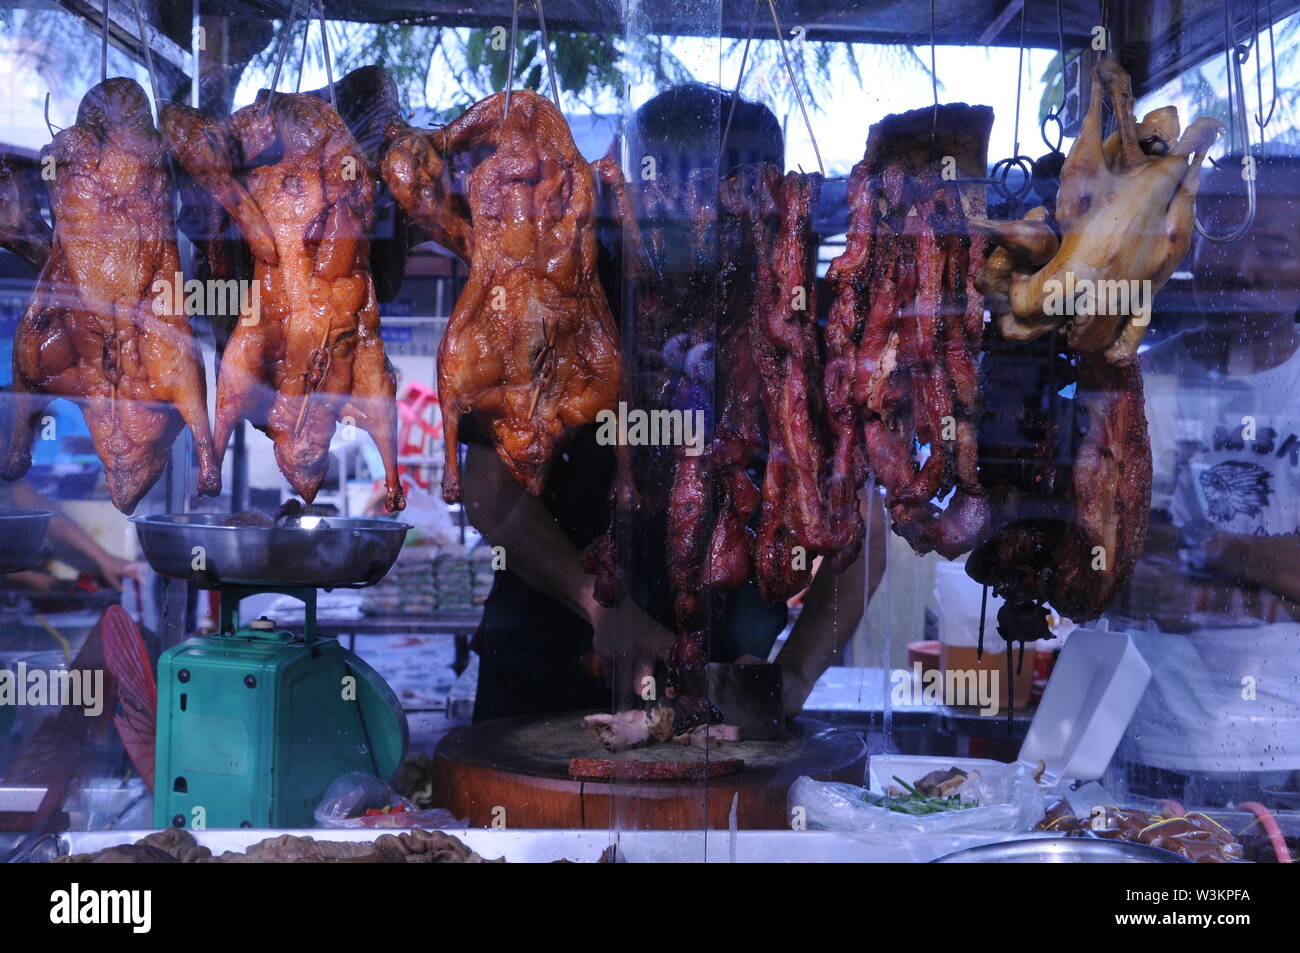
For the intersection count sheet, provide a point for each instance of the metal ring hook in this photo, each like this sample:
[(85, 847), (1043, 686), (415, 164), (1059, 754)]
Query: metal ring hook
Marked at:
[(1236, 113), (1002, 170), (1053, 116)]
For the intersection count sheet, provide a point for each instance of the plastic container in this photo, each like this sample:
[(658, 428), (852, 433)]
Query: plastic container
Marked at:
[(1096, 684)]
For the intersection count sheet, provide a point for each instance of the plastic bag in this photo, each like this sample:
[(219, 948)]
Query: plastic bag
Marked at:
[(1008, 797), (350, 796)]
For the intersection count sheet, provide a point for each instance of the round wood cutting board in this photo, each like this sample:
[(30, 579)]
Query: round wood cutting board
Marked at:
[(521, 766)]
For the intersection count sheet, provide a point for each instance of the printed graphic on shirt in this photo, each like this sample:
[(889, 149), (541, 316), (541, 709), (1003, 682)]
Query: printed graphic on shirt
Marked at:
[(1234, 487)]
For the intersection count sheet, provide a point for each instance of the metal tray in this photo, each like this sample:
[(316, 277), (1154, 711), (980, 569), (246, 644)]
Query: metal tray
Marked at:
[(1063, 850), (580, 846), (326, 552), (22, 535)]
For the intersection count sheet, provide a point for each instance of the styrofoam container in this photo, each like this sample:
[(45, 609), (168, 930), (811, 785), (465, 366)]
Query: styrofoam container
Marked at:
[(1096, 684)]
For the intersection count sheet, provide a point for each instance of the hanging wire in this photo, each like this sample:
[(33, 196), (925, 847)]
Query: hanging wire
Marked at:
[(546, 46), (735, 95), (103, 45), (789, 68), (279, 59), (1057, 113), (302, 55), (196, 35), (1002, 168), (510, 62), (148, 56), (1235, 55), (325, 51), (1020, 76), (934, 85)]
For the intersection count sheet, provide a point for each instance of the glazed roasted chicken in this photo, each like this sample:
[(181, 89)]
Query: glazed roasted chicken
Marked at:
[(1124, 220), (531, 348), (100, 330), (309, 355)]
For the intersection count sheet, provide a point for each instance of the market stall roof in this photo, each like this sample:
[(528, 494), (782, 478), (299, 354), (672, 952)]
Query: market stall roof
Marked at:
[(1157, 39)]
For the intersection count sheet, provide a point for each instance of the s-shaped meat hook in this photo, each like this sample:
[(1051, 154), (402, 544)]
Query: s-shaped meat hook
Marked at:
[(1234, 55)]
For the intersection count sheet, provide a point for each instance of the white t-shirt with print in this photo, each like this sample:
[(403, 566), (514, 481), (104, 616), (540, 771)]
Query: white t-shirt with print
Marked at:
[(1226, 457)]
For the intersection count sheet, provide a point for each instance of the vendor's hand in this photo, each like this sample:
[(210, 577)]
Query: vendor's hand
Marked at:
[(113, 570), (638, 639), (795, 688), (1160, 590)]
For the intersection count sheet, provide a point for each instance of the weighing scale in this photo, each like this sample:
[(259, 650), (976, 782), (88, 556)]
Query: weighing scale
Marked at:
[(256, 720)]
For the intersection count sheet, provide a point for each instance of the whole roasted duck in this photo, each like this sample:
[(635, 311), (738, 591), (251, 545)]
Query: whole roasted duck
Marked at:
[(310, 355), (100, 329), (531, 348)]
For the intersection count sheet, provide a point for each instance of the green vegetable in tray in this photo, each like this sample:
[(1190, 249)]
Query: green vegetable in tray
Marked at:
[(916, 803)]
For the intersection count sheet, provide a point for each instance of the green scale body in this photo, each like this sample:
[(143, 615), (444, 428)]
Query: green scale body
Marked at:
[(254, 723)]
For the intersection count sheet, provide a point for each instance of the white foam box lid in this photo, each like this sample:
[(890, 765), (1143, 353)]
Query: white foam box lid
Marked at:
[(1096, 684)]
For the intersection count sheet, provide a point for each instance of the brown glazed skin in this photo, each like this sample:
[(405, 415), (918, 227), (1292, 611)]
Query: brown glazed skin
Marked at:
[(548, 360), (312, 354), (22, 230), (91, 333)]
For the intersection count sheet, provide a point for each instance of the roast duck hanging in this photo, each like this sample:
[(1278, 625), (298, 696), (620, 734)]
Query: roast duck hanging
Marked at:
[(94, 331), (310, 354)]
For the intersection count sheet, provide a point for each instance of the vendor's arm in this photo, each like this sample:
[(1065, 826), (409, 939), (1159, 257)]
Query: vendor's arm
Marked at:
[(1269, 562), (537, 549), (832, 609), (65, 531)]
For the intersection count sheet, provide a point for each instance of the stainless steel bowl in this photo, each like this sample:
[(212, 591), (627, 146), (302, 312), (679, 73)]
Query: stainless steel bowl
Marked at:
[(321, 553), (1063, 850), (22, 535)]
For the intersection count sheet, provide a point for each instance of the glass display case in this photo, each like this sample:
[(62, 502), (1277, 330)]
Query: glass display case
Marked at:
[(761, 429)]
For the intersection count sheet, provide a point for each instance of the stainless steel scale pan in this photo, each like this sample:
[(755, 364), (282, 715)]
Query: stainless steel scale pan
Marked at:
[(22, 535), (210, 551)]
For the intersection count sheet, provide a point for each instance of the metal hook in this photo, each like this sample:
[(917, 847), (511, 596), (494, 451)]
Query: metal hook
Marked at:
[(1260, 118), (279, 59), (780, 37), (510, 63), (148, 58), (103, 45), (1002, 169), (49, 125), (546, 46), (740, 78), (1236, 113), (325, 51)]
